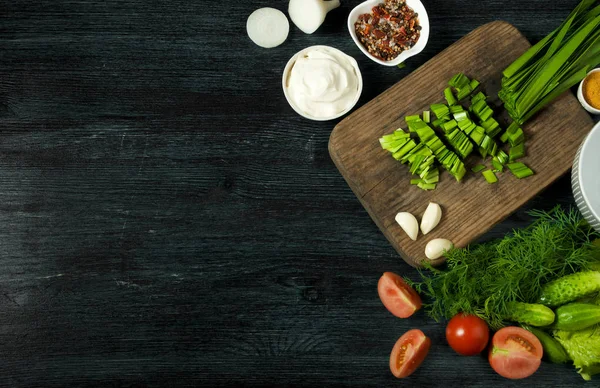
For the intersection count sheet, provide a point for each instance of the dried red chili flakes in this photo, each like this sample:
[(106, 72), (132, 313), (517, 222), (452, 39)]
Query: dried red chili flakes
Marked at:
[(391, 28)]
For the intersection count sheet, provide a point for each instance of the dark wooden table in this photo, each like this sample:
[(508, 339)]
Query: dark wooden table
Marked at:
[(168, 220)]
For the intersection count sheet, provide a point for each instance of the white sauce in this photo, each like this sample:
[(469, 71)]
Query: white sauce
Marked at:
[(322, 83)]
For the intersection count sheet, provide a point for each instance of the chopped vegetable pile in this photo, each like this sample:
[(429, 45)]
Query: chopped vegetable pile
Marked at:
[(461, 126)]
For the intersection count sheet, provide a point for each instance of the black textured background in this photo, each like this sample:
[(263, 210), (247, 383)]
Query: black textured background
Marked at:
[(166, 219)]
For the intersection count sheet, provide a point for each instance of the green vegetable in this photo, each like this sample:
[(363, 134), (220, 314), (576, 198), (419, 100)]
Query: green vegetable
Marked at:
[(450, 99), (577, 316), (583, 347), (489, 176), (501, 157), (529, 313), (482, 279), (440, 111), (411, 118), (478, 168), (463, 130), (498, 167), (520, 170), (479, 96), (437, 123), (426, 116), (553, 65), (516, 152), (569, 288), (553, 350)]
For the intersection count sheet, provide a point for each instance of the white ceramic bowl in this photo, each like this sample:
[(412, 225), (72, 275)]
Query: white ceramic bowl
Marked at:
[(582, 100), (366, 7), (585, 178), (288, 68)]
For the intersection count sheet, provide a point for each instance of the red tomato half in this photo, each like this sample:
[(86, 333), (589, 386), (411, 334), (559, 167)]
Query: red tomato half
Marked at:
[(397, 296), (467, 334), (409, 352), (516, 353)]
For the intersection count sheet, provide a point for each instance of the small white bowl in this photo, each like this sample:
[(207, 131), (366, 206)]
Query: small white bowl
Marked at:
[(288, 69), (582, 100), (366, 7), (585, 179)]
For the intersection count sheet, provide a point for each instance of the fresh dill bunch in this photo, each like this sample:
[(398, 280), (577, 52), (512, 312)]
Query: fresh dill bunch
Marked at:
[(481, 279)]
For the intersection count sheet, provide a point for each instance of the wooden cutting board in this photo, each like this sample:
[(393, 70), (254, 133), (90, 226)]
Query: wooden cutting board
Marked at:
[(471, 207)]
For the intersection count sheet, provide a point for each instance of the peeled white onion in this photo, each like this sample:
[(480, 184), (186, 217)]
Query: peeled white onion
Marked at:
[(268, 27)]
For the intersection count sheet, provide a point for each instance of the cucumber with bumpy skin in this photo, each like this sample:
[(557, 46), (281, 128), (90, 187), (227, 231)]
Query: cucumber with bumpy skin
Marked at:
[(553, 350), (577, 316), (531, 314), (569, 288)]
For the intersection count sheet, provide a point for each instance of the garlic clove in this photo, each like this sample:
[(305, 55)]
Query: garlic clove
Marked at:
[(436, 248), (431, 217), (409, 224)]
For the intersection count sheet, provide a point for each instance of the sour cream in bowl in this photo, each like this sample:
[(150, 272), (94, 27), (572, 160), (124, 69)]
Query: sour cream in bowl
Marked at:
[(322, 83)]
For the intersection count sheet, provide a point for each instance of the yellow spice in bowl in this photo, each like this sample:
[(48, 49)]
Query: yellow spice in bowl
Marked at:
[(591, 89)]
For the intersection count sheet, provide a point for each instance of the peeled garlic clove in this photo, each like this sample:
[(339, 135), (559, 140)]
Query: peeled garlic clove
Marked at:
[(436, 248), (409, 224), (431, 217)]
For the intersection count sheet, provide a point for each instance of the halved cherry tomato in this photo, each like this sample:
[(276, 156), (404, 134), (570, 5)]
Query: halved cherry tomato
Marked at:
[(397, 296), (409, 352), (516, 353), (467, 334)]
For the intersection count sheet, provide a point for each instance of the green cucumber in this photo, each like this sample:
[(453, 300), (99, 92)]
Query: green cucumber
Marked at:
[(569, 288), (553, 350), (576, 316), (531, 314)]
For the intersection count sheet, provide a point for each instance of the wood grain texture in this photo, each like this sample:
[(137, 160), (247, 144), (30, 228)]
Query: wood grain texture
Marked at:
[(471, 207), (167, 220)]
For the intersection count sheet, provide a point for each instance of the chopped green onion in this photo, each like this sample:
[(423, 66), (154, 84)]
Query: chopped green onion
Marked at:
[(491, 126), (460, 116), (520, 170), (478, 97), (478, 168), (489, 176), (474, 84), (449, 96), (432, 176), (408, 119), (459, 81), (498, 167), (462, 85), (426, 186), (449, 125), (517, 137), (501, 157), (415, 181), (401, 65), (440, 111), (404, 150), (516, 152), (456, 109), (460, 142), (426, 116), (478, 135), (438, 123)]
